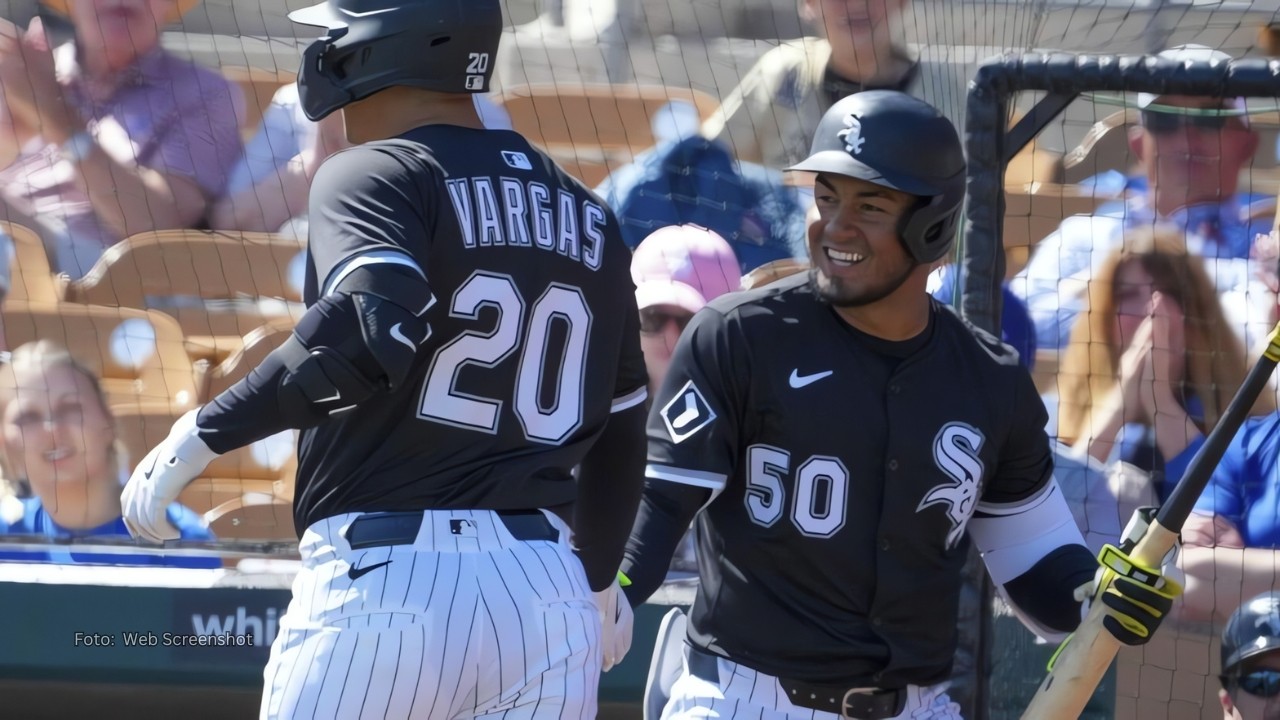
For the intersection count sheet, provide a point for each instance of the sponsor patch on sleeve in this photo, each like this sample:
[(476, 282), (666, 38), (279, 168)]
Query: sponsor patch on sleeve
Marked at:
[(687, 413)]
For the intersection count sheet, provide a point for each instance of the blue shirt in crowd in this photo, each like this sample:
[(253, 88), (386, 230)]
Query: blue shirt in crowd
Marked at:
[(1245, 487), (37, 521)]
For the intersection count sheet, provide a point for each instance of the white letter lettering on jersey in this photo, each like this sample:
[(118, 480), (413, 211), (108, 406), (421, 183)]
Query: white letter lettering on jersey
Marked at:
[(593, 219), (955, 450), (516, 212), (487, 205), (544, 229), (460, 194), (567, 243)]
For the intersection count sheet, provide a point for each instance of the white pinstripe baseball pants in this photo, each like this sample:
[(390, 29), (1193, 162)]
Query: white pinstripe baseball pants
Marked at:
[(467, 622), (745, 693)]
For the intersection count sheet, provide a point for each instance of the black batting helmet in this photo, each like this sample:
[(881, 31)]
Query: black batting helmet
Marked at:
[(896, 141), (371, 45), (1254, 628)]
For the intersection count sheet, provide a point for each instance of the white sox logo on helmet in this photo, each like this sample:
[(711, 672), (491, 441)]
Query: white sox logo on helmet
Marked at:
[(955, 451), (852, 134)]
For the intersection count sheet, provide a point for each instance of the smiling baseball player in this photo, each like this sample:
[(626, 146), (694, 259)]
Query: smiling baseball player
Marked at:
[(471, 336), (840, 436)]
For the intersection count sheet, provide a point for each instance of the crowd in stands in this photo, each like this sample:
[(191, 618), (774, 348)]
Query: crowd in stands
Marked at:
[(1153, 306)]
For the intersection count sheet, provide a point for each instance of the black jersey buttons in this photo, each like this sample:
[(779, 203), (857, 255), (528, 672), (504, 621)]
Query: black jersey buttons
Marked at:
[(877, 622), (893, 465), (885, 544), (895, 388)]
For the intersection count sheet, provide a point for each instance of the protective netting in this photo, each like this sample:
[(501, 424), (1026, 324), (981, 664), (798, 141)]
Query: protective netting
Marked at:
[(154, 207)]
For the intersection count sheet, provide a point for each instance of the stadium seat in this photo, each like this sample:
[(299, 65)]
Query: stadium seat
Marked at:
[(217, 285), (32, 278), (245, 493), (213, 379), (258, 86), (138, 354), (592, 130)]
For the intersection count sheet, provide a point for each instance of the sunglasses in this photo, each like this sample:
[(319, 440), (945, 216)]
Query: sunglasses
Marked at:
[(654, 320), (1163, 123), (1259, 683)]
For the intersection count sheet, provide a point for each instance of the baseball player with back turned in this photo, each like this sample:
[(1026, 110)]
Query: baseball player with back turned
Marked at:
[(843, 435), (471, 336)]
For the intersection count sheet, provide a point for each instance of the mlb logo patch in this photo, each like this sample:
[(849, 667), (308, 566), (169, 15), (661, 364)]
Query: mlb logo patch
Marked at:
[(475, 82), (687, 413), (517, 160), (463, 527)]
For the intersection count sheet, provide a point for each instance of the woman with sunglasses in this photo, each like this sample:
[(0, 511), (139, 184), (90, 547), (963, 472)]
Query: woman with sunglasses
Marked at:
[(677, 270), (1251, 661)]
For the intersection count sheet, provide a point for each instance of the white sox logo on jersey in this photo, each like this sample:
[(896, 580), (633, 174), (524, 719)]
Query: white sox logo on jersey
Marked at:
[(955, 451), (852, 134)]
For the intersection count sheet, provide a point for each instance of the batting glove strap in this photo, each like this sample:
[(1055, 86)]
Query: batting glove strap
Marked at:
[(1138, 597)]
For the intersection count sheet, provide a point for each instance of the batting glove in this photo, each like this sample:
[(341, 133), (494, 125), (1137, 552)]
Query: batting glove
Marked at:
[(616, 624), (1138, 598), (161, 477)]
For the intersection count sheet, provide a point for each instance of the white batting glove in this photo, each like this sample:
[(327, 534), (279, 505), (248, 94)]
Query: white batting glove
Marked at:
[(161, 477), (616, 624)]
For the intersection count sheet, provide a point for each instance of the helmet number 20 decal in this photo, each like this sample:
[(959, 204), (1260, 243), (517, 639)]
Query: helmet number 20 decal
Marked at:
[(477, 66)]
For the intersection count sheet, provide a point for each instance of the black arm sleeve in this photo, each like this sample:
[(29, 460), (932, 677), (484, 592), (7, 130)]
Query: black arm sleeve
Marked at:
[(610, 480), (666, 511), (1045, 592)]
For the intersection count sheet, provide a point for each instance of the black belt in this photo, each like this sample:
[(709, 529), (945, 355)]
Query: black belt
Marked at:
[(853, 703), (383, 529)]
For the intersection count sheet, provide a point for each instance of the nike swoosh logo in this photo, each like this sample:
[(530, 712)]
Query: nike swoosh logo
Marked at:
[(399, 336), (799, 381), (356, 573)]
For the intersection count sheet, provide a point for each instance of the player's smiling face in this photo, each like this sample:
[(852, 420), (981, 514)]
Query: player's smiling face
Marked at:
[(857, 256)]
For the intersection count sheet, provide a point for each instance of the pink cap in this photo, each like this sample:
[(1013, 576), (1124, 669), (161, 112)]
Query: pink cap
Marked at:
[(685, 266)]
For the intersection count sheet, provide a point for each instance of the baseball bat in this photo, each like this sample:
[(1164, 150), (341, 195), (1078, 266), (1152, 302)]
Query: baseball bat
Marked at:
[(1087, 655)]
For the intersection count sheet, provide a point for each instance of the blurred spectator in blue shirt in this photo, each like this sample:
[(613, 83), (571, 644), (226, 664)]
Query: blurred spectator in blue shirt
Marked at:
[(687, 179), (59, 436)]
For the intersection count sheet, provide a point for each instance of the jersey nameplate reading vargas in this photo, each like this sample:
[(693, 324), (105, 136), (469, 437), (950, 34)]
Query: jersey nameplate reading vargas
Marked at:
[(523, 213)]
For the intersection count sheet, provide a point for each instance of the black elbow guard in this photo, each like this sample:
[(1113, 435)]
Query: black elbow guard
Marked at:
[(360, 340)]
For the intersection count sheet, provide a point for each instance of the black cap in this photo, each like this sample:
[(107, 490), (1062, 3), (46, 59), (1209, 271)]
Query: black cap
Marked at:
[(1254, 628)]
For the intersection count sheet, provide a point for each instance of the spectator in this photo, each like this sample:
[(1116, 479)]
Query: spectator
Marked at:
[(1251, 660), (677, 271), (59, 436), (1016, 328), (1153, 363), (110, 135), (268, 188), (770, 117), (1192, 150), (1230, 541), (686, 179)]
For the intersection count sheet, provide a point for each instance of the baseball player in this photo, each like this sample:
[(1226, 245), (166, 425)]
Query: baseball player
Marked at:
[(840, 435), (471, 336), (1251, 660)]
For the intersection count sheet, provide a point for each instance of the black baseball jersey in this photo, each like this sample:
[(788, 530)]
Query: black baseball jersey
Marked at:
[(844, 470), (534, 329)]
